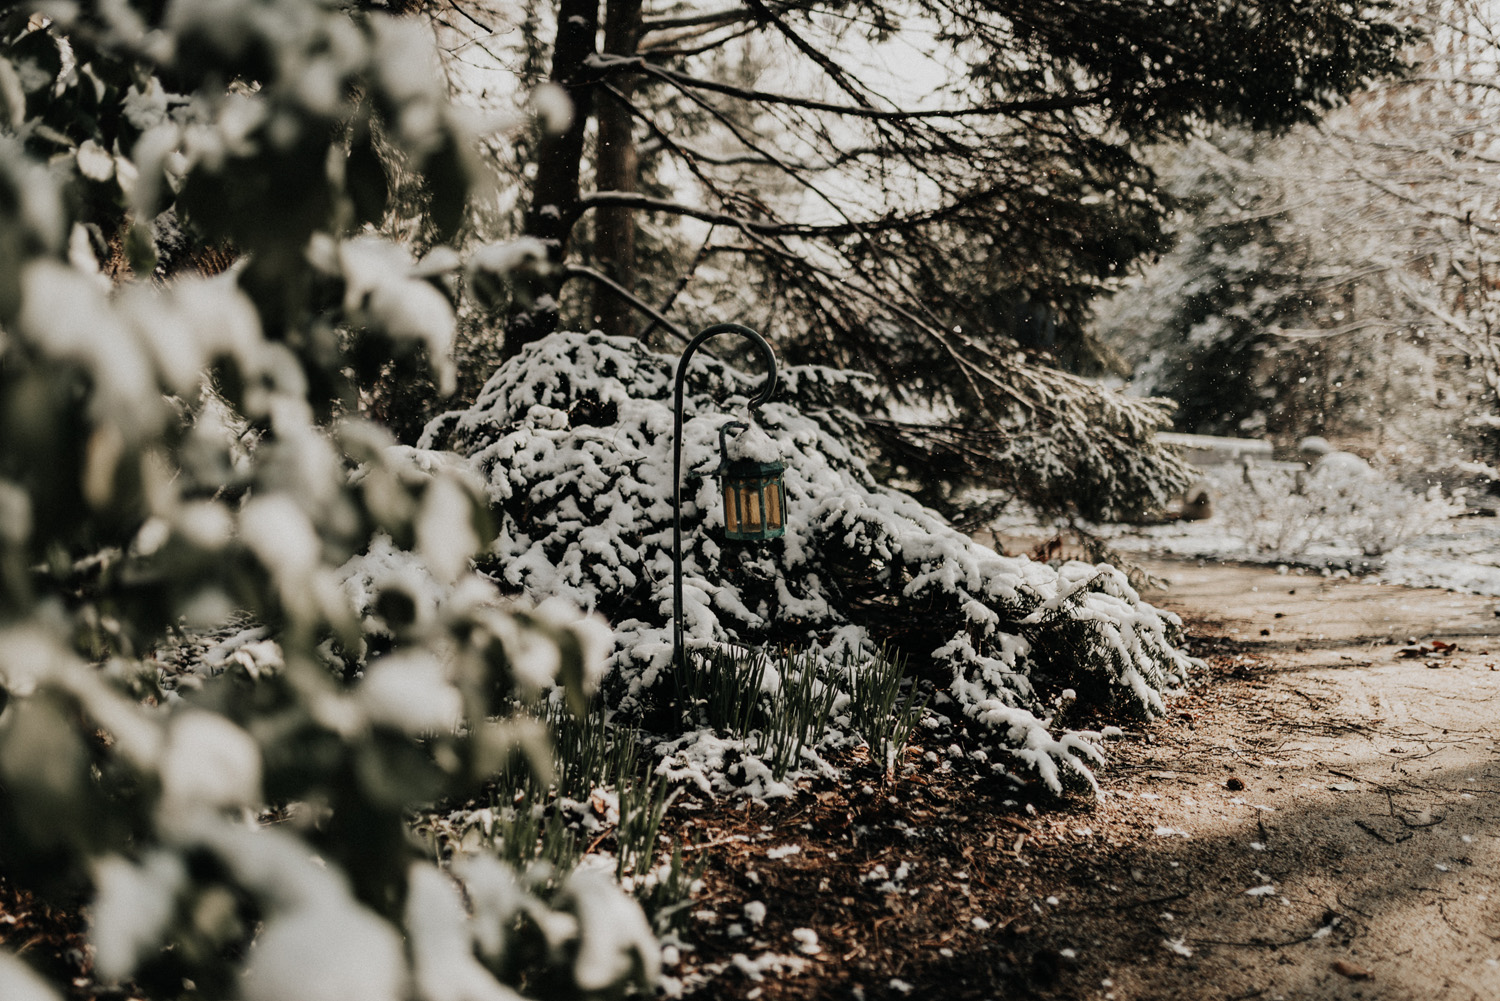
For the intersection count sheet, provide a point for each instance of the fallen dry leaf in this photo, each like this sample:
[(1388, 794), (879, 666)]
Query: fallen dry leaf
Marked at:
[(1351, 971), (1428, 649)]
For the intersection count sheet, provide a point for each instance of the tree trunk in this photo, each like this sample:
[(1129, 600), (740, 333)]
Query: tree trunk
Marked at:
[(616, 168), (554, 195)]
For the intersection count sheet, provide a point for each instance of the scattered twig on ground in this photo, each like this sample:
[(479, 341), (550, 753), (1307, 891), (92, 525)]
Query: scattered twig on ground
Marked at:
[(1261, 943), (1350, 907), (1378, 836), (1149, 902), (712, 844), (1390, 800), (1443, 913)]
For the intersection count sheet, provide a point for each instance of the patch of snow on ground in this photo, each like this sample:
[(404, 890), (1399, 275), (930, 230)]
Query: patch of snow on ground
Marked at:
[(807, 941), (1178, 946), (770, 962), (1459, 554)]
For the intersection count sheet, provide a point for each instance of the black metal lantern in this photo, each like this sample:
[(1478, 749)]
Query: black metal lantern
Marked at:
[(751, 485)]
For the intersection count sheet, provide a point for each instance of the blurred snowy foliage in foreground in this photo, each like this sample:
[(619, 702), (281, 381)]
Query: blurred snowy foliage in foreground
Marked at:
[(171, 455), (573, 441)]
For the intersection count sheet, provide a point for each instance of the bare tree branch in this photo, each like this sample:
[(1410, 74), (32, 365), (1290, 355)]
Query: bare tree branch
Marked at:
[(606, 64), (582, 271), (650, 203)]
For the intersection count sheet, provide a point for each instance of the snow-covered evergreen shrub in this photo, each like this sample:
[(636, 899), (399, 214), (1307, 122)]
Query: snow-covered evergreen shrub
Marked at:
[(573, 439), (167, 461)]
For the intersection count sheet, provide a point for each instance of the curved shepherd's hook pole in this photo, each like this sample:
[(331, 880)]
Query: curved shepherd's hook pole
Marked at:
[(679, 659)]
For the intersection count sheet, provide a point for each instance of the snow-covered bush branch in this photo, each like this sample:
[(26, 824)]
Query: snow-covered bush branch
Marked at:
[(573, 440), (1287, 513)]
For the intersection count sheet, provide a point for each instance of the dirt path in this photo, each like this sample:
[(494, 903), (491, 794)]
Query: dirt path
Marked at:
[(1315, 819), (1323, 814)]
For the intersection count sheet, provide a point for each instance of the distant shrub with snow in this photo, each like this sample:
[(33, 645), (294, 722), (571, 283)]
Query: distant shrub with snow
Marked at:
[(168, 460), (573, 441), (1341, 503)]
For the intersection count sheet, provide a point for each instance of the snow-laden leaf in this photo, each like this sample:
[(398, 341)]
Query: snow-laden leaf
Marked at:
[(133, 905), (19, 983), (442, 945), (326, 954), (208, 764), (410, 691), (616, 941)]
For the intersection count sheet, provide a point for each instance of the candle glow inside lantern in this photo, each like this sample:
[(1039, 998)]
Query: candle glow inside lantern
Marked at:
[(750, 478)]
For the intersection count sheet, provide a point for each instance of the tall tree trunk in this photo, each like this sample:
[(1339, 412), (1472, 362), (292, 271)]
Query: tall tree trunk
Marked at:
[(616, 167), (554, 195)]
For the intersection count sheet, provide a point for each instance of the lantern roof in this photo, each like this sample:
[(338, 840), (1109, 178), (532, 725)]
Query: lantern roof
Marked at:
[(753, 445)]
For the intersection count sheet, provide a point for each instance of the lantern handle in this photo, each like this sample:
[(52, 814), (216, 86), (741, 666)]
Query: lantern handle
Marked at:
[(724, 438), (679, 658)]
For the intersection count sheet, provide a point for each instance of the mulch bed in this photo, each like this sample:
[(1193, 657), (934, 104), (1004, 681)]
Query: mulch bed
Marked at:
[(49, 938), (1006, 891)]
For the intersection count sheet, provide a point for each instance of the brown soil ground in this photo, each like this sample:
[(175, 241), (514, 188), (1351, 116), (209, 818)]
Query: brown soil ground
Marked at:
[(1314, 819)]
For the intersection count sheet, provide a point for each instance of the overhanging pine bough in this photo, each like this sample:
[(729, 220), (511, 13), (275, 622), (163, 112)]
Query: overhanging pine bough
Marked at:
[(926, 239)]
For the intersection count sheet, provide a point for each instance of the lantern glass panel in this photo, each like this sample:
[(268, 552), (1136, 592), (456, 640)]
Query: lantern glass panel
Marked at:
[(750, 496), (731, 507), (774, 519), (754, 505)]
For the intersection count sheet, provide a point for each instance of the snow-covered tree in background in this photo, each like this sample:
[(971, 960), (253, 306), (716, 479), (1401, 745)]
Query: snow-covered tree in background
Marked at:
[(931, 192), (1200, 335), (1340, 279), (178, 452), (1249, 322), (1420, 157)]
